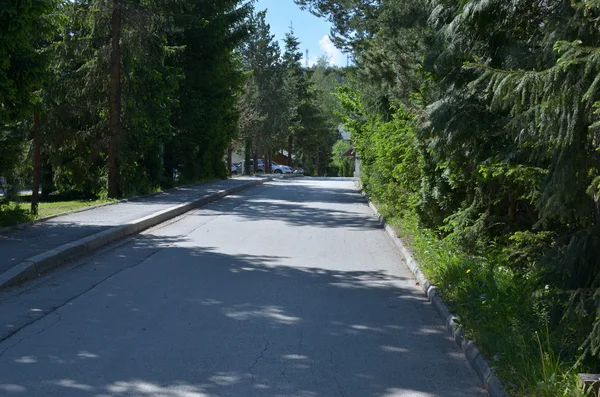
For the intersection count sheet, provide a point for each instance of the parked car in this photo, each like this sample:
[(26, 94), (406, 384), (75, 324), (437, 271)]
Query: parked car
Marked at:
[(280, 169), (261, 165), (233, 168), (299, 171)]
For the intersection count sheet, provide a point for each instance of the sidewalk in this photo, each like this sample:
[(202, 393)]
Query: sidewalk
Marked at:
[(19, 246)]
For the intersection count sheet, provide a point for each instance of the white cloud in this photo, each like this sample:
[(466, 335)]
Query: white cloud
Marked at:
[(335, 56), (312, 61)]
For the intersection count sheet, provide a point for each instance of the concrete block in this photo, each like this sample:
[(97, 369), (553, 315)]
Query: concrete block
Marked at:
[(94, 241), (459, 336), (23, 271), (481, 367), (471, 351), (47, 260), (494, 387), (113, 234), (70, 250)]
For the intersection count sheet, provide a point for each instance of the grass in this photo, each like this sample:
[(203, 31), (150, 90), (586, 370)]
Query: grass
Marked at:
[(48, 209), (502, 312), (14, 213)]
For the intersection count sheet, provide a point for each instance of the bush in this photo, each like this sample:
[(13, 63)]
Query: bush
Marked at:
[(12, 214), (492, 276), (508, 315)]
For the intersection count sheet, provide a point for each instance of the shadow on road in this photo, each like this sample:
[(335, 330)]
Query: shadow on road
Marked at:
[(236, 325), (19, 245), (299, 203)]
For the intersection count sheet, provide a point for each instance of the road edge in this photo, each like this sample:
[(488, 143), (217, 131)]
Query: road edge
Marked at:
[(33, 267), (469, 348), (23, 225)]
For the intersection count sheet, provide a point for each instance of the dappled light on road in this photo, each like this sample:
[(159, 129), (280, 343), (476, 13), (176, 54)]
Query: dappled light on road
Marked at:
[(207, 307)]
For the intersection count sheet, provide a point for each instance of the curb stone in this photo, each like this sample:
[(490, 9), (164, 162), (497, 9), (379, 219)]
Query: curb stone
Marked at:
[(480, 366), (23, 225), (35, 266)]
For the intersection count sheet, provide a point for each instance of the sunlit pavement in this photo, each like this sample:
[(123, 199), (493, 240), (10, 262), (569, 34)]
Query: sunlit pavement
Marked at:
[(287, 289)]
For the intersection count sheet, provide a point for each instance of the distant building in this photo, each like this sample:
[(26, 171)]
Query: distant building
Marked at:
[(345, 134), (350, 152)]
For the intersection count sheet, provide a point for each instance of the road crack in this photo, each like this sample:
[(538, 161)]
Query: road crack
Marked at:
[(67, 301), (261, 355), (44, 329), (284, 375), (339, 387)]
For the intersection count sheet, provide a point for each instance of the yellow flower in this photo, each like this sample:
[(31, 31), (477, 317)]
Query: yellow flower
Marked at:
[(468, 271)]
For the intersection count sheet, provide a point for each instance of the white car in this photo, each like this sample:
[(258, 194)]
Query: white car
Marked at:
[(280, 169), (233, 168)]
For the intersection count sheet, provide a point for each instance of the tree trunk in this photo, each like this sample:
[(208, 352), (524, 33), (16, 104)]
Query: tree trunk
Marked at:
[(247, 155), (512, 208), (256, 161), (229, 154), (289, 150), (596, 147), (318, 163), (37, 164), (114, 111), (597, 208), (46, 180)]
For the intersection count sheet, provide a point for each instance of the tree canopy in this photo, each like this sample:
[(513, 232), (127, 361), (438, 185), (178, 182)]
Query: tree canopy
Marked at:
[(120, 97), (480, 118)]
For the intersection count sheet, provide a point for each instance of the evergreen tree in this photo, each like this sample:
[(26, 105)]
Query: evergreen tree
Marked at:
[(261, 57), (26, 32)]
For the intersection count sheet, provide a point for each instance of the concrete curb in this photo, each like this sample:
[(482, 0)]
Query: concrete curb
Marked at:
[(23, 225), (480, 366), (41, 263)]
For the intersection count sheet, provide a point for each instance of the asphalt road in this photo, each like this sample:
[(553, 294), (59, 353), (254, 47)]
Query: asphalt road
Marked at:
[(288, 289)]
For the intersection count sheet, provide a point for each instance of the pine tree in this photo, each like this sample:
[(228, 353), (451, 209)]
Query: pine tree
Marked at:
[(27, 29), (261, 57), (213, 80)]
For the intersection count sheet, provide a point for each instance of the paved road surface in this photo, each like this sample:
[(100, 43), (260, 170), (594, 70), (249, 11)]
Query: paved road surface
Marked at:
[(289, 289), (16, 246)]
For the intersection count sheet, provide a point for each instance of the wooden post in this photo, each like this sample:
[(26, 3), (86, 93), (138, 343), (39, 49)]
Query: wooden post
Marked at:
[(37, 164), (229, 155), (591, 384), (290, 146), (114, 108)]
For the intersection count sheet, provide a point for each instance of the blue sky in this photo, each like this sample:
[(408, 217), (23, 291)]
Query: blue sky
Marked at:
[(312, 32)]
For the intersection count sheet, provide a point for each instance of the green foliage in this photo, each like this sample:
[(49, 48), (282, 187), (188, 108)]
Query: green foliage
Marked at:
[(22, 65), (390, 156), (266, 100), (341, 166), (27, 29), (12, 213), (285, 106), (207, 116), (476, 123), (194, 76), (180, 81), (506, 313)]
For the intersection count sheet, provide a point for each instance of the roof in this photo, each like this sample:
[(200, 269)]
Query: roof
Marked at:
[(348, 153), (345, 134)]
